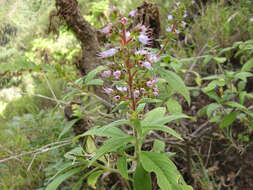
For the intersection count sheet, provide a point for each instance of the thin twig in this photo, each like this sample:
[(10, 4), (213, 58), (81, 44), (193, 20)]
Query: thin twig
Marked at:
[(41, 150)]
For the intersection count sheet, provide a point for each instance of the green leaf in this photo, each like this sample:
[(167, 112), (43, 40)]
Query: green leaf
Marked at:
[(93, 73), (140, 107), (212, 107), (163, 120), (243, 76), (248, 65), (121, 105), (68, 127), (159, 146), (57, 181), (168, 177), (111, 145), (105, 131), (164, 128), (148, 100), (173, 106), (92, 179), (122, 166), (220, 59), (228, 120), (142, 179), (98, 82), (236, 105), (176, 83), (154, 114)]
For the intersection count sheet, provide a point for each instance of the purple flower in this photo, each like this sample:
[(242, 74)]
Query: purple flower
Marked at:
[(124, 70), (183, 24), (147, 65), (108, 53), (116, 98), (150, 83), (117, 74), (185, 15), (106, 29), (144, 39), (136, 93), (108, 91), (141, 52), (143, 90), (121, 88), (251, 19), (155, 93), (178, 3), (177, 31), (153, 58), (168, 29), (131, 13), (124, 20), (170, 17), (143, 29), (106, 74)]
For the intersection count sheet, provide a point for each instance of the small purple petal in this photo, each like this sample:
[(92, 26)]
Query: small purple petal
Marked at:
[(168, 29), (106, 74), (131, 13), (136, 93), (145, 40), (121, 88), (251, 19), (143, 90), (155, 94), (117, 74), (141, 52), (147, 65), (108, 53), (170, 17), (150, 84), (124, 20), (116, 98), (153, 58), (108, 91)]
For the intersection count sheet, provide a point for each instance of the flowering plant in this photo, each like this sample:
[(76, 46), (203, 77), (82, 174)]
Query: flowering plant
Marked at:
[(136, 78)]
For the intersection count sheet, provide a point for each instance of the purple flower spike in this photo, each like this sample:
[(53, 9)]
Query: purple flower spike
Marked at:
[(147, 65), (170, 17), (144, 39), (117, 74), (106, 74), (108, 91), (136, 93), (150, 84), (116, 98), (108, 53)]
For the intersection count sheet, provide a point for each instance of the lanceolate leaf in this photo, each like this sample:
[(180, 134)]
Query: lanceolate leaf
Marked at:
[(122, 166), (68, 127), (153, 115), (92, 179), (164, 128), (228, 120), (248, 65), (103, 131), (93, 73), (142, 179), (111, 145), (57, 181), (176, 83), (168, 176), (163, 120)]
